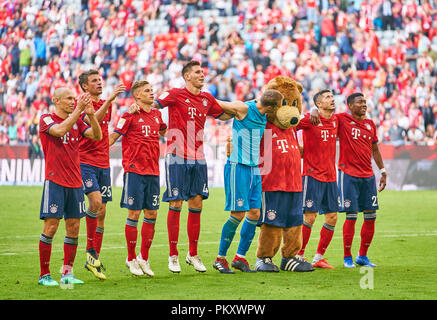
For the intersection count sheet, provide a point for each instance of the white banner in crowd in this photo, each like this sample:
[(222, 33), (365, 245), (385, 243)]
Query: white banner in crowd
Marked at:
[(31, 172)]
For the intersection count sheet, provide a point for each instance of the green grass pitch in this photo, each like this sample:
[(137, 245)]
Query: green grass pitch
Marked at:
[(403, 248)]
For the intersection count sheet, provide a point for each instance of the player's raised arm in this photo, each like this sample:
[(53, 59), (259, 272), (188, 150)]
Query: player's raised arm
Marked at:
[(65, 98), (96, 132), (100, 114), (380, 163), (236, 109)]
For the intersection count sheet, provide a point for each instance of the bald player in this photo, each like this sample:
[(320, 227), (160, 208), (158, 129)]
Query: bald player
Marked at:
[(63, 197)]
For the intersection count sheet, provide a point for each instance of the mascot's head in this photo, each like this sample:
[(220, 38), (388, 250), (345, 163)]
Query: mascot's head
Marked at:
[(287, 113)]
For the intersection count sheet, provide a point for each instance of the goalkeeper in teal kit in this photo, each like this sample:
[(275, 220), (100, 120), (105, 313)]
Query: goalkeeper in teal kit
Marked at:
[(242, 177)]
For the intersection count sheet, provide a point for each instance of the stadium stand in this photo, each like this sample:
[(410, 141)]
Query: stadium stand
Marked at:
[(385, 49)]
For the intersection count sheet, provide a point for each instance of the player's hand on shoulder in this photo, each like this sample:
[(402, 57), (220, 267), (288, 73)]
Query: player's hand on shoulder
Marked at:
[(314, 116), (134, 108)]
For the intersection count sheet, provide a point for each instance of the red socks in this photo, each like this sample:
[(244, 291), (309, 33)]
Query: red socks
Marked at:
[(70, 248), (45, 250), (147, 233), (306, 233), (325, 238), (367, 232), (193, 229), (173, 218), (131, 233), (98, 240), (349, 232), (91, 225)]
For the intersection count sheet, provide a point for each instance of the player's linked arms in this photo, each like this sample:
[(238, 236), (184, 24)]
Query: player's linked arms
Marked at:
[(314, 116), (237, 109)]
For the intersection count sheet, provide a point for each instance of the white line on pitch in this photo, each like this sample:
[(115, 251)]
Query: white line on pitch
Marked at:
[(424, 234)]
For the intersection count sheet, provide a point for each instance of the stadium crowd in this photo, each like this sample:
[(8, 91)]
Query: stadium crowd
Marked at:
[(385, 49)]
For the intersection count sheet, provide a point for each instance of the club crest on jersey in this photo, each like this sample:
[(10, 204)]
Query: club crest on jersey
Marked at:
[(75, 127), (347, 203), (175, 192), (309, 203), (240, 202), (53, 208), (156, 120), (271, 214), (130, 201), (368, 127), (205, 102), (89, 183)]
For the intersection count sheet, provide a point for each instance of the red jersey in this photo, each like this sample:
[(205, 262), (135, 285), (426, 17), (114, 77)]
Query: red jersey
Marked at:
[(62, 163), (96, 153), (140, 142), (319, 143), (356, 140), (187, 115), (283, 171)]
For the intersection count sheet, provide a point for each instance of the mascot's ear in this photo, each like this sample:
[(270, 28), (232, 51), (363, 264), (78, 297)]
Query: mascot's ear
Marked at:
[(299, 87)]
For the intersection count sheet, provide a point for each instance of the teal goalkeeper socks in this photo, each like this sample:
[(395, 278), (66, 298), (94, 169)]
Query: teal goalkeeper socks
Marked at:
[(228, 233), (246, 235)]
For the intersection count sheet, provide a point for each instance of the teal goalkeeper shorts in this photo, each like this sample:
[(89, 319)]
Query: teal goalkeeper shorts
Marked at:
[(242, 187)]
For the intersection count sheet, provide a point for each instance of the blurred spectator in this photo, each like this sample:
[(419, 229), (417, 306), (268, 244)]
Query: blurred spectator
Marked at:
[(385, 49), (35, 148)]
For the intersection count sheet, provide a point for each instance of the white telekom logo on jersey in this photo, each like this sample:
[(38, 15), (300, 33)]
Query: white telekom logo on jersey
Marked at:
[(356, 133), (325, 134), (192, 112), (283, 145), (146, 130)]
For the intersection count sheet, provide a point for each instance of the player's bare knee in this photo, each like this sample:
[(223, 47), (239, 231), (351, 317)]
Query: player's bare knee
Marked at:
[(331, 218), (253, 214), (176, 203), (72, 227), (150, 214), (50, 227), (310, 217), (133, 214), (195, 202), (102, 212), (238, 214)]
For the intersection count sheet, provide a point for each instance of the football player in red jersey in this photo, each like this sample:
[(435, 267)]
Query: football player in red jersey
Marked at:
[(320, 191), (356, 179), (94, 165), (63, 194), (140, 148), (186, 169)]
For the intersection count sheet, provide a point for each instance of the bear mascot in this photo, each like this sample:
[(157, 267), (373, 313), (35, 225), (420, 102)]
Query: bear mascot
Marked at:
[(281, 215)]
